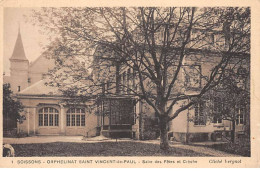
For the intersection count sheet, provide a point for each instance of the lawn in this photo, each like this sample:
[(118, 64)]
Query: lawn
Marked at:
[(241, 147), (98, 149)]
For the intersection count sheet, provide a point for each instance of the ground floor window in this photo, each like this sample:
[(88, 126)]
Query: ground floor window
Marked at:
[(218, 108), (48, 116), (75, 117), (240, 119), (200, 118)]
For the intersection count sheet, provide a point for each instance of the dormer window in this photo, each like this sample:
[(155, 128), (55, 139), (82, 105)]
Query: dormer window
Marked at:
[(19, 88)]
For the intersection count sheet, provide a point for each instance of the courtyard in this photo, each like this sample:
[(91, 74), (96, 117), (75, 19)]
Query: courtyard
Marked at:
[(62, 146)]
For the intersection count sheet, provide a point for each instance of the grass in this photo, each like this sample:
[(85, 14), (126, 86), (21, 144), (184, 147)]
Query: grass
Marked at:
[(98, 149), (241, 147)]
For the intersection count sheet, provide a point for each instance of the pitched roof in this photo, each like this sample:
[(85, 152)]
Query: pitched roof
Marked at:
[(40, 88), (18, 52)]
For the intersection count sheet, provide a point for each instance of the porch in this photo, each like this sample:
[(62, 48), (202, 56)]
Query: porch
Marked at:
[(116, 116)]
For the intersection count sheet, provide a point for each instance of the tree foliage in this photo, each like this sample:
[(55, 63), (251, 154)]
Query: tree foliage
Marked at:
[(231, 100), (11, 107)]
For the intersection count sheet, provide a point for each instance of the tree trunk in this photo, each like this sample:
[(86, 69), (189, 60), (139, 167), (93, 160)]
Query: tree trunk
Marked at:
[(233, 131), (164, 144)]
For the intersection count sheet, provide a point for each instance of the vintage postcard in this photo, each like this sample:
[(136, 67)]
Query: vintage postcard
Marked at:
[(141, 84)]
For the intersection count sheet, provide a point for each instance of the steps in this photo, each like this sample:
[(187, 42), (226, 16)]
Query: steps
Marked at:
[(117, 131)]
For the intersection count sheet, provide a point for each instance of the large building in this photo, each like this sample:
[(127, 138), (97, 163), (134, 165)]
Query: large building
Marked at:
[(115, 114)]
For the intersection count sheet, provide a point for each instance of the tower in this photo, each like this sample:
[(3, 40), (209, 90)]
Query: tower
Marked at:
[(19, 66)]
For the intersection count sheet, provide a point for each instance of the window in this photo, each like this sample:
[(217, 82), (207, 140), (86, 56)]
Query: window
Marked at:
[(51, 120), (120, 111), (134, 75), (40, 119), (128, 80), (124, 83), (107, 86), (240, 117), (200, 118), (218, 108), (219, 40), (68, 120), (48, 116), (192, 76), (82, 120), (19, 88), (56, 119), (242, 78), (118, 85), (209, 40), (78, 120), (72, 120), (75, 117)]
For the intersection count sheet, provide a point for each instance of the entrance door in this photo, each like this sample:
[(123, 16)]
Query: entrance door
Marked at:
[(75, 121)]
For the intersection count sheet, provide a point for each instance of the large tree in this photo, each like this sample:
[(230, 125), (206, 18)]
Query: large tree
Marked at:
[(154, 42)]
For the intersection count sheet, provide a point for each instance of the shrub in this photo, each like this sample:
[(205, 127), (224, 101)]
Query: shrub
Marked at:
[(150, 128)]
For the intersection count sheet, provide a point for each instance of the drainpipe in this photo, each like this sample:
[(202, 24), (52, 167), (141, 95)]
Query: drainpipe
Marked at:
[(28, 121), (140, 121), (188, 127)]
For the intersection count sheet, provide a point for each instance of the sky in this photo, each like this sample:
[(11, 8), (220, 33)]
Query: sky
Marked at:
[(33, 41)]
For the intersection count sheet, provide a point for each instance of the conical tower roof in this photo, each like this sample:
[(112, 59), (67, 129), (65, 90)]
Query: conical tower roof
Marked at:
[(18, 53)]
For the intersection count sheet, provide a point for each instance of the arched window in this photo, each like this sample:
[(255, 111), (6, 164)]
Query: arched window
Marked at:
[(75, 117), (48, 116)]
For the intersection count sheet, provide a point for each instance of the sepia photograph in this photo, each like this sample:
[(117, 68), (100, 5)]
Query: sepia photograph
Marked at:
[(155, 81)]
